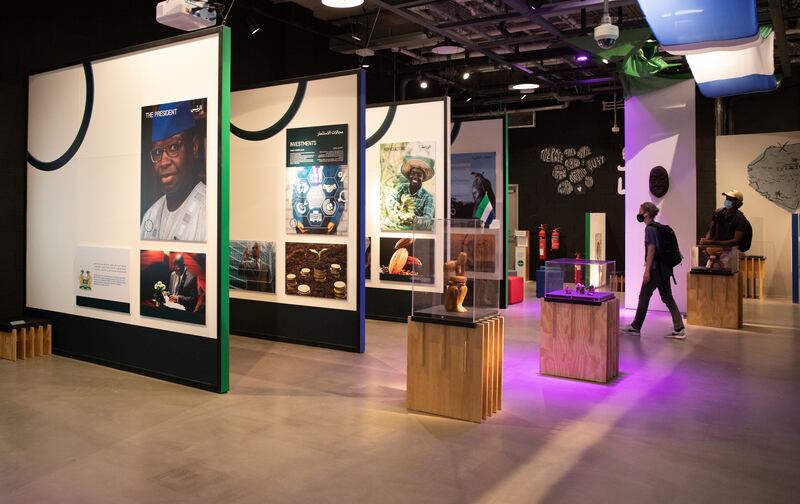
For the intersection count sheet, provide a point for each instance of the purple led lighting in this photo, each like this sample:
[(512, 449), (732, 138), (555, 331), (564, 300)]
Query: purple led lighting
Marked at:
[(582, 58)]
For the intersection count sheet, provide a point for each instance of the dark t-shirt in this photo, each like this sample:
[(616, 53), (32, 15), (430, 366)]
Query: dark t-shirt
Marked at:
[(650, 238), (724, 228)]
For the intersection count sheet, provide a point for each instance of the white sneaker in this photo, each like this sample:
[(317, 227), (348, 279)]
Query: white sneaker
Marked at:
[(680, 335)]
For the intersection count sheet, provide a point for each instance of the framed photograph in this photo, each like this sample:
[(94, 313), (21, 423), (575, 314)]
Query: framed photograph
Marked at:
[(173, 285), (408, 184), (317, 200), (173, 171), (472, 184), (252, 265), (404, 258), (316, 270)]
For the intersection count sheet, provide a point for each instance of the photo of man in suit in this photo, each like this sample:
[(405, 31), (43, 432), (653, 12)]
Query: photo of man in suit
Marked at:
[(182, 285)]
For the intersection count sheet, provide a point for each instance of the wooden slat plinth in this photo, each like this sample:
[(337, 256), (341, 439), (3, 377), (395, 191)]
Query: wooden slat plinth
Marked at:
[(26, 342), (714, 300), (455, 371), (580, 341)]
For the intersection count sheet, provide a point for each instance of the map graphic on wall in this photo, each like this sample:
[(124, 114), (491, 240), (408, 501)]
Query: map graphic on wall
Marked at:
[(472, 176), (173, 285), (173, 171), (316, 270), (407, 184), (775, 174), (404, 258), (101, 278), (317, 198), (572, 168), (252, 265)]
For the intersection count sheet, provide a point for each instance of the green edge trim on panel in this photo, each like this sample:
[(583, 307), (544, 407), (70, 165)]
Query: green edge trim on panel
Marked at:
[(505, 204), (224, 214), (587, 220)]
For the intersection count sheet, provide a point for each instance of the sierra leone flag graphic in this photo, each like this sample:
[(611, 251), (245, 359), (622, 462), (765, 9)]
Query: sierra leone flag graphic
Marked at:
[(485, 211)]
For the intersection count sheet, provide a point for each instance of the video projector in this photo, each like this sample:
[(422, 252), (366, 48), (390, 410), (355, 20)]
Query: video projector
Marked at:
[(186, 15)]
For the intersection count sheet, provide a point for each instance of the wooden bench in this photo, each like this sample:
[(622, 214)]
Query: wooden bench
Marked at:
[(24, 339)]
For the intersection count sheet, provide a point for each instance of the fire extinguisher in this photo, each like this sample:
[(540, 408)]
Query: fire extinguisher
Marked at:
[(578, 269), (543, 242), (554, 239)]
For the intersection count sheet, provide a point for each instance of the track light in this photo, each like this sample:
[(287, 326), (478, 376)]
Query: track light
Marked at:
[(523, 96), (470, 98), (605, 61), (581, 58), (253, 26), (465, 76), (423, 84)]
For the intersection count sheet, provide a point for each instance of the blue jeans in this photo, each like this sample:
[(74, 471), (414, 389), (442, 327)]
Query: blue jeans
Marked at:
[(658, 281)]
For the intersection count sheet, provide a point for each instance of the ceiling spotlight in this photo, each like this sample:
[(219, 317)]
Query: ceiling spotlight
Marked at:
[(581, 58), (253, 26), (364, 65), (524, 86), (342, 4), (465, 76), (535, 4), (423, 84), (356, 37), (605, 61), (470, 98), (447, 48), (524, 96)]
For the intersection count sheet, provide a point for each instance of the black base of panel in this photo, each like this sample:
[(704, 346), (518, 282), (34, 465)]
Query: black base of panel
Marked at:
[(388, 304), (175, 357), (307, 325)]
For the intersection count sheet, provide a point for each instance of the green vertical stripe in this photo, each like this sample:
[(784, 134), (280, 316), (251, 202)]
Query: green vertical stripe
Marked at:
[(586, 224), (224, 210)]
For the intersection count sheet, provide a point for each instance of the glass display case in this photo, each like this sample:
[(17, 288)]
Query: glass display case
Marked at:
[(463, 285), (579, 280), (715, 260)]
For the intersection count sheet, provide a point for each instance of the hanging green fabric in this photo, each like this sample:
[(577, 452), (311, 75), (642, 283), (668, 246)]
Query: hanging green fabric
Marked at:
[(641, 71)]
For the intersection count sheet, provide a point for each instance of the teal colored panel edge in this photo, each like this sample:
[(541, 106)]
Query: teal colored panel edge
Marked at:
[(223, 224)]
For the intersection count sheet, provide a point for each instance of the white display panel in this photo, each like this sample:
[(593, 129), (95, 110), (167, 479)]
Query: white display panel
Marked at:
[(259, 176), (660, 131), (427, 121), (487, 135), (95, 198)]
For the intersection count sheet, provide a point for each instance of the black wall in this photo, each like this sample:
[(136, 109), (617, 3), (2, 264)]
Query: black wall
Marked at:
[(580, 124)]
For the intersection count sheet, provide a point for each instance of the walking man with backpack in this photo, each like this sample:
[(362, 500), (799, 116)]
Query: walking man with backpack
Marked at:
[(661, 255)]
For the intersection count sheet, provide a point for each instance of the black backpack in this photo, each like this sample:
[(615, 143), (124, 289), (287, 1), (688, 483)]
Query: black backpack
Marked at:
[(747, 239), (668, 252)]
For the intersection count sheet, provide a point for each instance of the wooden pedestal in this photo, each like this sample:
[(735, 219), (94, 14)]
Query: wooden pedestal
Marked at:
[(26, 341), (753, 270), (456, 371), (714, 300), (580, 340)]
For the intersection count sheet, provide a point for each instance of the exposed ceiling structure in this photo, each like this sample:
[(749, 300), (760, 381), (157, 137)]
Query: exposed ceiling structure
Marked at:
[(507, 42)]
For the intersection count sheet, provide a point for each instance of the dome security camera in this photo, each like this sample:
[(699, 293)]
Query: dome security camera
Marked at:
[(606, 33)]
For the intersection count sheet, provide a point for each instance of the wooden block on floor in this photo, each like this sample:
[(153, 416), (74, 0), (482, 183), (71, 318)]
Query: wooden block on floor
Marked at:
[(8, 345), (714, 300), (580, 340), (47, 346), (30, 342), (453, 370)]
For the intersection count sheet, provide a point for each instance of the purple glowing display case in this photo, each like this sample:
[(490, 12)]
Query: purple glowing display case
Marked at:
[(579, 280)]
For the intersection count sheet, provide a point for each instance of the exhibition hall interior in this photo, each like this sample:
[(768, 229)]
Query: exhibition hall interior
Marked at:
[(446, 251)]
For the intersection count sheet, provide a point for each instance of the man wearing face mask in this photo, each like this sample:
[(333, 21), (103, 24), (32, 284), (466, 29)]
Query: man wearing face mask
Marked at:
[(729, 227), (656, 277)]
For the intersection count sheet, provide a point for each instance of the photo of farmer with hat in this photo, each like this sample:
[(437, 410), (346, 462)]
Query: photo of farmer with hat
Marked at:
[(404, 196), (173, 171)]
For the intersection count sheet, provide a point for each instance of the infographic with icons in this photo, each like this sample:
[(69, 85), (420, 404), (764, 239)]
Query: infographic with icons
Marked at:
[(316, 160), (318, 200)]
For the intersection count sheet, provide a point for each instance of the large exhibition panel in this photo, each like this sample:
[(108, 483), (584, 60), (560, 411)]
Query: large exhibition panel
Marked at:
[(478, 166), (297, 248), (127, 202), (402, 136)]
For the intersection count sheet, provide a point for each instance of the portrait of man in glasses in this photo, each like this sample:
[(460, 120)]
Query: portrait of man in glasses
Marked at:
[(174, 174)]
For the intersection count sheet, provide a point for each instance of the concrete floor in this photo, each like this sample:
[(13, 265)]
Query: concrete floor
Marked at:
[(711, 419)]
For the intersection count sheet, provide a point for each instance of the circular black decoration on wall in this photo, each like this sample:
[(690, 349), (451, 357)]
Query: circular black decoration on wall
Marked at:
[(659, 181)]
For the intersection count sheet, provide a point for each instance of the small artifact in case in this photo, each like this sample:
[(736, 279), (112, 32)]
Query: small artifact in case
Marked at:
[(579, 280), (715, 260)]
